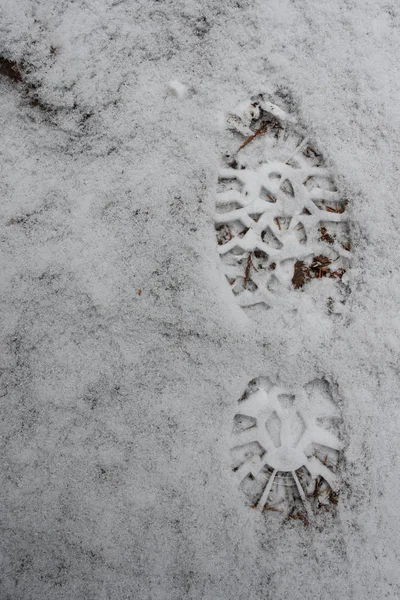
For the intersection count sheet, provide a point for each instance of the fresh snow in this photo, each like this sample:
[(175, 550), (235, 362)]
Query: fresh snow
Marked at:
[(124, 353), (178, 88)]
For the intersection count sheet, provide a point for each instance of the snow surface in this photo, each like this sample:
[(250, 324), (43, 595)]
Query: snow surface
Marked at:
[(122, 349), (177, 88)]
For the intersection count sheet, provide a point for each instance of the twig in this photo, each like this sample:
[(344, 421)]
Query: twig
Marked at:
[(271, 508), (300, 516), (259, 131), (247, 271)]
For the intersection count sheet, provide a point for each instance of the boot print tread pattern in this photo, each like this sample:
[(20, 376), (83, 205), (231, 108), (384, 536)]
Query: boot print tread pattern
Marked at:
[(286, 448), (280, 221)]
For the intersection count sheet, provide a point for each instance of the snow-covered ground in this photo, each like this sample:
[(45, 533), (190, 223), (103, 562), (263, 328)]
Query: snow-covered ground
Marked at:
[(123, 350)]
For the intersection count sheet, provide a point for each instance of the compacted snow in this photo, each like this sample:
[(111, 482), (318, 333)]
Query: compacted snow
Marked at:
[(132, 375)]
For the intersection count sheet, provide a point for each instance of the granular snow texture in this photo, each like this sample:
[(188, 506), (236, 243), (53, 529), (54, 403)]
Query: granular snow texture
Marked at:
[(123, 352)]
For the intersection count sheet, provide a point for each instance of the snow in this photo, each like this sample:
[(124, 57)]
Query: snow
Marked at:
[(117, 419), (178, 88)]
